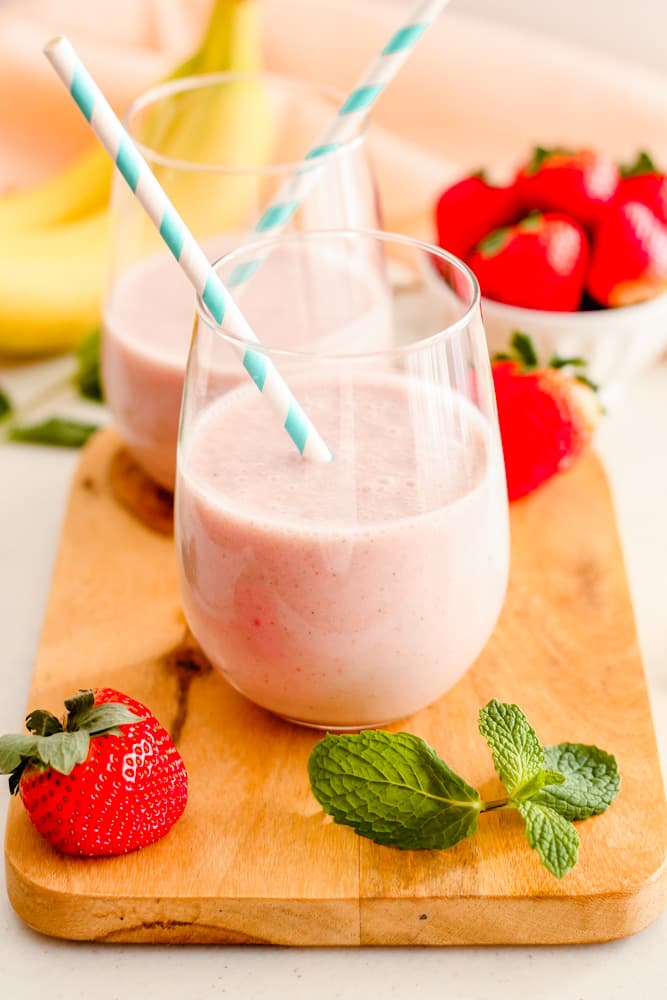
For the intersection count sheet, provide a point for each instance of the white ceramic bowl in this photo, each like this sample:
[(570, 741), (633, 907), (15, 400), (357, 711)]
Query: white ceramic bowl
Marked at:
[(616, 344)]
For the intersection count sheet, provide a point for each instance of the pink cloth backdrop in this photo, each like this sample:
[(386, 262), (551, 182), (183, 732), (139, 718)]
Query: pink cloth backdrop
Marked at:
[(472, 94)]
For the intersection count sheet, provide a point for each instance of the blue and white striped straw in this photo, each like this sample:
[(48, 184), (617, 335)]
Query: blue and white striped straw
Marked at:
[(181, 242), (344, 126)]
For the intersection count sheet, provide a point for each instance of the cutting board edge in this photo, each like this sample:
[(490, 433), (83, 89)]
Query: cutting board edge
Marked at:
[(375, 922), (181, 920)]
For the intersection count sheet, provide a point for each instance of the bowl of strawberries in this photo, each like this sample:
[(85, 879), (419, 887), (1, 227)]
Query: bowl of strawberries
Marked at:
[(574, 251)]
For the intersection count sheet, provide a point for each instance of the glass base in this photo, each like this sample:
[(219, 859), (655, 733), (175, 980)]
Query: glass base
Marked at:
[(325, 728)]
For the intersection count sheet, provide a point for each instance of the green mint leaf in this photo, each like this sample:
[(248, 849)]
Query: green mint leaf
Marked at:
[(87, 379), (591, 780), (16, 748), (5, 405), (518, 756), (59, 431), (523, 349), (43, 723), (552, 836), (104, 717), (63, 751), (542, 779), (393, 789)]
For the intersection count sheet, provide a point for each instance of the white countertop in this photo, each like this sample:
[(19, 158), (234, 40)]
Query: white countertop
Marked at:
[(34, 485)]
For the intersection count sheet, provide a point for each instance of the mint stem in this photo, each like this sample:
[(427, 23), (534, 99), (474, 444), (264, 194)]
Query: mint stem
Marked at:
[(495, 804)]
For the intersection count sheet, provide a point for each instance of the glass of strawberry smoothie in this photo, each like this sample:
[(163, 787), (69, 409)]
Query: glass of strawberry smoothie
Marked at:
[(221, 145), (355, 592)]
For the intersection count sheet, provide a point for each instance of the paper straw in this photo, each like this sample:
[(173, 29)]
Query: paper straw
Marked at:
[(181, 242), (346, 123)]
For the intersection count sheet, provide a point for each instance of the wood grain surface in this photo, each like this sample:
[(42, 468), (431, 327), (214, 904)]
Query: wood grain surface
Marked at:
[(253, 860)]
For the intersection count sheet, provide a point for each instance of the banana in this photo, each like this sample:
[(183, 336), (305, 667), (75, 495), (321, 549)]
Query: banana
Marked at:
[(231, 42), (229, 126), (51, 285), (55, 238), (76, 191)]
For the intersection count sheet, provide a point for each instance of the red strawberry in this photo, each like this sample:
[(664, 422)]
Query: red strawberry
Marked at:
[(547, 416), (644, 183), (629, 256), (469, 210), (578, 183), (105, 780), (539, 263)]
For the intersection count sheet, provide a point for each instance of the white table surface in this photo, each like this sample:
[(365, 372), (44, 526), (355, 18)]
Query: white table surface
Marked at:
[(33, 492)]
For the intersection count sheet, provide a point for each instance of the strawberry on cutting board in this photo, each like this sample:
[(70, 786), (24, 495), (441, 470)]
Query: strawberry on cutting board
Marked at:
[(469, 210), (107, 779), (547, 415), (579, 183), (540, 263)]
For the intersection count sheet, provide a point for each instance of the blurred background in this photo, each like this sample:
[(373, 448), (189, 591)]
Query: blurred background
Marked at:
[(634, 31)]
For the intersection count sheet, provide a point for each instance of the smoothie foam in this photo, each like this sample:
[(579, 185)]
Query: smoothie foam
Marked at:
[(350, 593), (148, 321)]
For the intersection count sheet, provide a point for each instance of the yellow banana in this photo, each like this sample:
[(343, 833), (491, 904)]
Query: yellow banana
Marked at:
[(51, 285), (55, 238), (232, 42), (78, 190), (230, 126)]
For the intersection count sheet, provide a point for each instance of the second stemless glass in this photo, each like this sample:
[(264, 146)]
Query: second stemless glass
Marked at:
[(350, 593), (221, 145)]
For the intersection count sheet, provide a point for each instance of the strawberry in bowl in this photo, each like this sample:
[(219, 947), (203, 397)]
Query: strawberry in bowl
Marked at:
[(543, 258), (104, 780), (582, 263)]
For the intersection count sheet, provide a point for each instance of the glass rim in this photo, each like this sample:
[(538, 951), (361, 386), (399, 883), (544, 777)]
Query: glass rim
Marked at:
[(200, 81), (377, 235)]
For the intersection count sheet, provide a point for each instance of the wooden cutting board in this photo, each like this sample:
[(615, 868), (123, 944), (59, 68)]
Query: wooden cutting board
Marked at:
[(253, 859)]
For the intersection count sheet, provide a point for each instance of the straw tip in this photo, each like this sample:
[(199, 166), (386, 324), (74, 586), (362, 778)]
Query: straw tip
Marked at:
[(53, 43)]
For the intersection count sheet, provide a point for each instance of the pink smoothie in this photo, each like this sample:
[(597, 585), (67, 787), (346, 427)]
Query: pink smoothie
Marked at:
[(351, 593), (148, 321)]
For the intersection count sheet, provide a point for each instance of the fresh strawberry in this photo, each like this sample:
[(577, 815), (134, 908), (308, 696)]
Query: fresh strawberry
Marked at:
[(107, 779), (629, 256), (578, 183), (547, 415), (469, 210), (540, 263), (643, 182)]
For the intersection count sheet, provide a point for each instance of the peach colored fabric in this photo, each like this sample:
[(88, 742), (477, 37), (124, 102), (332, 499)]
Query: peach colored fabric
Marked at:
[(474, 93)]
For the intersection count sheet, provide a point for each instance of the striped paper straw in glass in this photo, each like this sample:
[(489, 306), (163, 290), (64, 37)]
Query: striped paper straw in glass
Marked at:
[(344, 125), (182, 244)]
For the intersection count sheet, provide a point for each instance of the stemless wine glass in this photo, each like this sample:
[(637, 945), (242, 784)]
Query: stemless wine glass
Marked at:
[(221, 145), (354, 592)]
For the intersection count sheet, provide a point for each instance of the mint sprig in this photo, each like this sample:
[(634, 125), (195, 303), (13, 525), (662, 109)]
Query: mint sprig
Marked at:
[(394, 789)]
